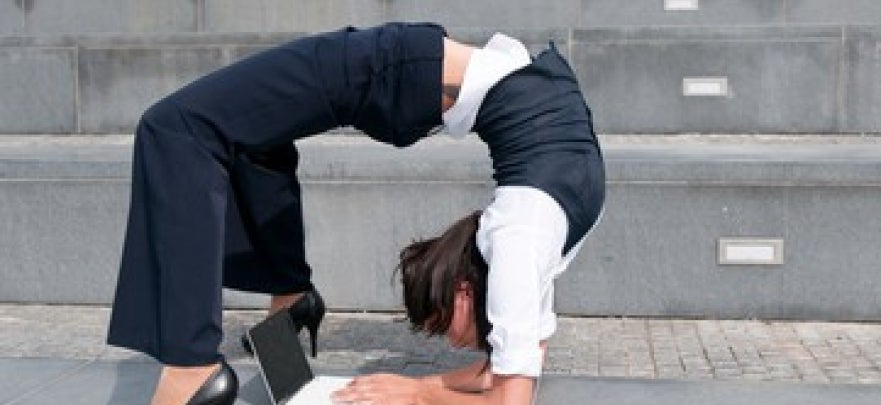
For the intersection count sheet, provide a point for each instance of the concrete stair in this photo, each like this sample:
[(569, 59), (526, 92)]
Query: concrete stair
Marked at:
[(774, 79), (74, 74), (64, 201), (789, 66)]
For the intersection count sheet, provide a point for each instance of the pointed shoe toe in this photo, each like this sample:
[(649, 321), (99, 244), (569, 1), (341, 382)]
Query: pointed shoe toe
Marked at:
[(221, 388)]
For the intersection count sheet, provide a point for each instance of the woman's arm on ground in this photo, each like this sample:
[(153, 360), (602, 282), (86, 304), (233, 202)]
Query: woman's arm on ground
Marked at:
[(442, 389), (505, 390), (476, 384), (392, 389), (474, 377)]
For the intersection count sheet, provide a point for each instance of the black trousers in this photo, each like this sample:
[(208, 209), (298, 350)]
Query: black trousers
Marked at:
[(215, 198)]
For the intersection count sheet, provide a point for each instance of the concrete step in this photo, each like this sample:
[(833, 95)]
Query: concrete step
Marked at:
[(676, 79), (670, 200)]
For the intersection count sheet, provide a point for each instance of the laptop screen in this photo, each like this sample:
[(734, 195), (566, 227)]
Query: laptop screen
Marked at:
[(281, 358)]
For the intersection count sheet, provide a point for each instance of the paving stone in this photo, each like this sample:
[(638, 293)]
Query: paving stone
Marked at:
[(812, 352)]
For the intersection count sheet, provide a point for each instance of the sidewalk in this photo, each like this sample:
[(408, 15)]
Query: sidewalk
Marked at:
[(56, 353)]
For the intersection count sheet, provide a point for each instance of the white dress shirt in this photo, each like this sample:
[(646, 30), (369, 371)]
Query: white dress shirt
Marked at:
[(521, 234)]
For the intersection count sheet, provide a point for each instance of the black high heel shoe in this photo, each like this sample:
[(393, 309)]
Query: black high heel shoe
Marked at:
[(221, 388), (307, 312)]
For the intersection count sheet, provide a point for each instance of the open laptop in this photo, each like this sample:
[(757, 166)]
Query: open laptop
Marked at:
[(283, 365)]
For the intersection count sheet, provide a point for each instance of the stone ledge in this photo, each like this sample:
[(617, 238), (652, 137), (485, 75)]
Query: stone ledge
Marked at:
[(776, 33), (772, 160)]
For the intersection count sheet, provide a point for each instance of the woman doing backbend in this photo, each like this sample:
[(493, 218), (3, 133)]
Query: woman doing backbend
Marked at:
[(216, 202)]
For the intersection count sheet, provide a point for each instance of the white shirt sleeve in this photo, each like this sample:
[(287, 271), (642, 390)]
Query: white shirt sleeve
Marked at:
[(521, 236)]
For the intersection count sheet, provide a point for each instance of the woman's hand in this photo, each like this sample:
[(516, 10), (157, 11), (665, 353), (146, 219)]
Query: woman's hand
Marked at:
[(381, 389)]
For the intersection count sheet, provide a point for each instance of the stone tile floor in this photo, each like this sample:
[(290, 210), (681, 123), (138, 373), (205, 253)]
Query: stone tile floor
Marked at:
[(814, 352)]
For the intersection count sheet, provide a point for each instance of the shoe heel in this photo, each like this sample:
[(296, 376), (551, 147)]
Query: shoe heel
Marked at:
[(246, 345), (313, 338), (308, 313)]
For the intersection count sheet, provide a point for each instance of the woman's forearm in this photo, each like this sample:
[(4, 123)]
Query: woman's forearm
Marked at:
[(474, 377), (505, 390)]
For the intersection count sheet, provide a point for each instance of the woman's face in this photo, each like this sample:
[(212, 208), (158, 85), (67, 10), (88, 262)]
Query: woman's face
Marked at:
[(463, 327)]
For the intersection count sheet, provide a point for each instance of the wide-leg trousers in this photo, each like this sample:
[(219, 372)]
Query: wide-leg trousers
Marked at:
[(208, 209), (215, 199)]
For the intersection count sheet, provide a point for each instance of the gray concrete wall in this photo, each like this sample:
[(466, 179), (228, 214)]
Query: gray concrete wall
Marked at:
[(779, 79), (805, 79), (39, 90), (63, 202), (116, 84), (860, 94)]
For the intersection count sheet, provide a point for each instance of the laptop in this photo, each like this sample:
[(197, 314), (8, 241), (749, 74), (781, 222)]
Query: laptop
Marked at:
[(283, 365)]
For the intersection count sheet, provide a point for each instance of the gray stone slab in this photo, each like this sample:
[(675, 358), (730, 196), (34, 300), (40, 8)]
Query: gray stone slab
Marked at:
[(782, 79), (493, 14), (131, 382), (247, 16), (355, 158), (20, 377), (324, 15), (317, 15), (287, 16), (149, 41), (655, 253), (163, 16), (636, 86), (65, 157), (821, 33), (61, 239), (747, 164), (117, 85), (58, 16), (833, 12), (11, 17), (38, 90), (61, 16), (605, 13), (125, 382), (862, 75), (564, 390), (821, 226)]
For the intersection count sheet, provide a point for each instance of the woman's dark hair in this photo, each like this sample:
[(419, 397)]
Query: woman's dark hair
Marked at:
[(431, 271)]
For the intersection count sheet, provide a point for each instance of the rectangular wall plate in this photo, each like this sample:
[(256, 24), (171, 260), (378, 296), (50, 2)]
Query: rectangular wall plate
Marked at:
[(750, 251), (681, 5), (705, 86)]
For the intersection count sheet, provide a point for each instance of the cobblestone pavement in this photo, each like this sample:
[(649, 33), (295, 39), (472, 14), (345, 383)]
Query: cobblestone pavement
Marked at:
[(817, 352)]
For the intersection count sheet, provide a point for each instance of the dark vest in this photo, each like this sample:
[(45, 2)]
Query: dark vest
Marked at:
[(540, 134)]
